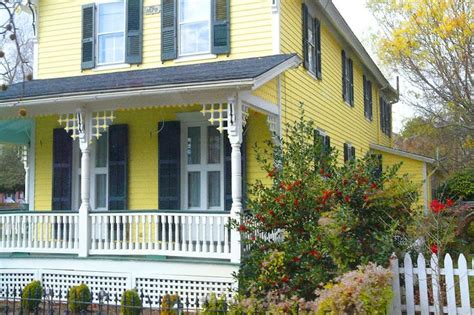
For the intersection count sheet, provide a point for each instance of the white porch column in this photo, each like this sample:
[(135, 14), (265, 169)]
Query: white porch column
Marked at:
[(84, 222), (235, 137)]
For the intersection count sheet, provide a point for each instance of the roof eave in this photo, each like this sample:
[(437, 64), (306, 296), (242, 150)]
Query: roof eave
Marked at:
[(406, 154)]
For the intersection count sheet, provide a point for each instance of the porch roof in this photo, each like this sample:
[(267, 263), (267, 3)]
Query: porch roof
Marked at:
[(232, 71)]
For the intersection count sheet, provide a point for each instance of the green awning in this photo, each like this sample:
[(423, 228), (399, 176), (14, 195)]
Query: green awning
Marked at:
[(17, 131)]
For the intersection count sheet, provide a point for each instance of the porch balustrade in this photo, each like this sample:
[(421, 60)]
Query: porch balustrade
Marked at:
[(183, 234)]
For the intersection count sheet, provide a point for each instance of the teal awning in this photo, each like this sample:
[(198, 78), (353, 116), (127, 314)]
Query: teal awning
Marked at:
[(17, 131)]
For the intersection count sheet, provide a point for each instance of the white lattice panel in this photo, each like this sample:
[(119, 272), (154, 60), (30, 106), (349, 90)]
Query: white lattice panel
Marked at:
[(14, 280), (112, 284), (192, 289)]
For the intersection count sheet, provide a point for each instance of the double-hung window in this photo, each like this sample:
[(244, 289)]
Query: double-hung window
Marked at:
[(347, 79), (311, 43), (203, 165), (349, 152), (111, 32), (367, 97), (194, 27)]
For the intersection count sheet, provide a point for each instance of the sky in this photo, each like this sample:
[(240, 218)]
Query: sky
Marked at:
[(362, 23)]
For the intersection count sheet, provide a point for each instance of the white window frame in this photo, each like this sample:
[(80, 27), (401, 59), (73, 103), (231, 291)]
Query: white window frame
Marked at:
[(207, 52), (76, 175), (203, 167), (97, 48)]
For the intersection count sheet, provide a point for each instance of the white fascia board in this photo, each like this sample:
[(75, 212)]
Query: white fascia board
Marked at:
[(338, 22), (409, 155), (291, 63)]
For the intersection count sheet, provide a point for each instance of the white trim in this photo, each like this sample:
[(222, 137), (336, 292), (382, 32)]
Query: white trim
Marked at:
[(259, 103), (276, 26), (114, 66), (35, 58), (293, 62), (425, 186), (195, 57), (32, 167), (402, 153)]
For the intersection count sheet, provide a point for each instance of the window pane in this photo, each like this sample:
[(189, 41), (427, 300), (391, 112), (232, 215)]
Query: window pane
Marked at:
[(194, 145), (101, 151), (214, 189), (194, 10), (111, 48), (194, 189), (194, 38), (214, 146), (100, 191), (111, 17)]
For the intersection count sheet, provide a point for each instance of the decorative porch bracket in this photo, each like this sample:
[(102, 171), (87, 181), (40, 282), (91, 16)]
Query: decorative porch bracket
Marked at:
[(273, 123), (232, 118), (86, 126)]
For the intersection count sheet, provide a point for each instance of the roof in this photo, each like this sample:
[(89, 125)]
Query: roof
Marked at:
[(196, 74), (336, 19), (402, 153)]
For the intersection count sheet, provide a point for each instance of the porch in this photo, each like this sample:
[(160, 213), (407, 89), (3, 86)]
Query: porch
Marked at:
[(143, 233)]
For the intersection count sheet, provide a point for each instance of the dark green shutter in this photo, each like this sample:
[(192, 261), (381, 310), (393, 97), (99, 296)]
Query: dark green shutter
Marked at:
[(344, 90), (305, 17), (134, 32), (346, 152), (351, 82), (118, 167), (370, 100), (88, 34), (62, 170), (169, 49), (317, 38), (220, 26), (169, 165), (228, 172), (353, 153), (327, 144)]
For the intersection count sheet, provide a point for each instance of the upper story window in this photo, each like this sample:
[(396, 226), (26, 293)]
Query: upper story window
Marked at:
[(385, 116), (194, 27), (367, 97), (347, 79), (111, 32), (311, 43)]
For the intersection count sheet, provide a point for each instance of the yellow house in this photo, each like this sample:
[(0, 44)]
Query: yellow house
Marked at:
[(136, 153)]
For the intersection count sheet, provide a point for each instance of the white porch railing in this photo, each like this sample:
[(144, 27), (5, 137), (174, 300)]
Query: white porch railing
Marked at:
[(30, 232), (184, 234)]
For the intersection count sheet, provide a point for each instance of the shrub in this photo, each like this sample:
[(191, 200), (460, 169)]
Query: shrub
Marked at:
[(31, 296), (214, 305), (167, 304), (460, 185), (79, 298), (131, 303), (330, 217), (364, 291)]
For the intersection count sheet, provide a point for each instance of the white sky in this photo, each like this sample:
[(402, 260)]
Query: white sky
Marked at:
[(362, 23)]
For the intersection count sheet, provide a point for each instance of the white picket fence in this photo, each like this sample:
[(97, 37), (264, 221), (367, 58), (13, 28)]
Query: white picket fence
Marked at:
[(430, 289)]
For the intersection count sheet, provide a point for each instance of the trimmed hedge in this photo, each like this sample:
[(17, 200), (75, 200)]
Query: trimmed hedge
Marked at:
[(31, 296), (131, 303), (79, 298)]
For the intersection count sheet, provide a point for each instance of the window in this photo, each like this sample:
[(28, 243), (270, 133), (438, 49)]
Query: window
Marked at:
[(312, 43), (367, 98), (385, 117), (325, 140), (347, 79), (99, 174), (111, 32), (203, 167), (378, 169), (194, 27), (349, 152)]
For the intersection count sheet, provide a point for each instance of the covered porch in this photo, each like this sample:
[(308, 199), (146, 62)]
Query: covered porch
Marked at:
[(144, 162)]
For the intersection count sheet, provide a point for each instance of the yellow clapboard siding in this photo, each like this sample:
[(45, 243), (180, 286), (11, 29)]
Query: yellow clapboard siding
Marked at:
[(257, 134), (60, 36), (322, 99)]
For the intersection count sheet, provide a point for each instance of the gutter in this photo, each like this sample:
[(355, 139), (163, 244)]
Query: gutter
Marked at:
[(406, 154)]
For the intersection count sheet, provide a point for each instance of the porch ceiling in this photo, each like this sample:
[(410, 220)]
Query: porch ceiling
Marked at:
[(189, 84)]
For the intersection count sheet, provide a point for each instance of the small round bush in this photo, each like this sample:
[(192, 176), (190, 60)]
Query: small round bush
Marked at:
[(131, 303), (79, 298), (168, 303), (31, 296)]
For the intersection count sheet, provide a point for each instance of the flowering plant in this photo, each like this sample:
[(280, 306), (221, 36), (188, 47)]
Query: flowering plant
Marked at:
[(314, 218)]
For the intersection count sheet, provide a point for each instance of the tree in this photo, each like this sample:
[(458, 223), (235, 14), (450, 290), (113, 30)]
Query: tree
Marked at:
[(16, 49), (12, 172), (430, 43)]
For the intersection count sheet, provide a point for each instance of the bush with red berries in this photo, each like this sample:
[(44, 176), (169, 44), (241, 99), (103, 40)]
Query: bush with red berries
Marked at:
[(315, 217)]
